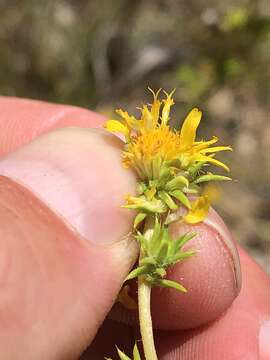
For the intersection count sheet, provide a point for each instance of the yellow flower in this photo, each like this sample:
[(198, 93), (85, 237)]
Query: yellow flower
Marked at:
[(160, 155), (189, 128), (199, 210), (117, 126), (150, 143)]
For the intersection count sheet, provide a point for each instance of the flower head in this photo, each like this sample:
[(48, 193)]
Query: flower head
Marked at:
[(160, 154), (150, 142)]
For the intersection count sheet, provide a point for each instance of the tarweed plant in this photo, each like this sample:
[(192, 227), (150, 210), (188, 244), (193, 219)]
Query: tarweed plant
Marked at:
[(170, 166)]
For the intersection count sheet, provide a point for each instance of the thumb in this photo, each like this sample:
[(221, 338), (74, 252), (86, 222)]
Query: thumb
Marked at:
[(64, 248)]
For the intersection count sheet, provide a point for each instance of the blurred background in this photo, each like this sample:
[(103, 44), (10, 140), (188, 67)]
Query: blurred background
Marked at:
[(103, 54)]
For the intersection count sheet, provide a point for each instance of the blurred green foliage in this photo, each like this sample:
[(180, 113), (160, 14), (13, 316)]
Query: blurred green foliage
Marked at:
[(102, 54)]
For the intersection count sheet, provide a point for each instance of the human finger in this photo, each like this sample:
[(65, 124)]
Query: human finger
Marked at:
[(22, 120), (64, 249), (242, 332)]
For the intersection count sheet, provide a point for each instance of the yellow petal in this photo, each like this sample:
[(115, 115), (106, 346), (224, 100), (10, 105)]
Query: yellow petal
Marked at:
[(201, 145), (132, 200), (117, 126), (189, 128), (199, 210), (216, 149), (166, 108), (130, 120), (155, 108), (211, 160), (151, 193), (146, 122)]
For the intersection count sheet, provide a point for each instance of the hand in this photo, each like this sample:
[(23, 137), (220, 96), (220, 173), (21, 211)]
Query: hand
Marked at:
[(64, 253)]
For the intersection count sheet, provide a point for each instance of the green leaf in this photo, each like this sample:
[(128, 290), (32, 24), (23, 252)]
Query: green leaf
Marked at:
[(211, 177), (154, 206), (165, 234), (176, 183), (160, 271), (182, 256), (195, 168), (179, 195), (168, 200), (171, 284), (122, 355), (192, 189), (165, 175), (141, 239), (163, 252), (141, 270), (148, 261), (136, 354), (141, 188), (171, 249), (180, 242), (138, 219), (155, 238)]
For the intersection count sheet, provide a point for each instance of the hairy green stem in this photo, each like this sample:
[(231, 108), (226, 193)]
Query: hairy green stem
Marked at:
[(144, 304), (144, 297)]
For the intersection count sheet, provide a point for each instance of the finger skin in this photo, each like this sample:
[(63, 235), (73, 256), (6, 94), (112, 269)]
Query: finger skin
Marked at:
[(78, 173), (235, 335), (48, 273), (22, 120)]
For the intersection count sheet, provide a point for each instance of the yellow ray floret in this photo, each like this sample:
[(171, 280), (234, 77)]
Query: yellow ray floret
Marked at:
[(199, 210), (189, 128)]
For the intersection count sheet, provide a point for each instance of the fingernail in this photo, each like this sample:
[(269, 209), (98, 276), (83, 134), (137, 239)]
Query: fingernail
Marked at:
[(264, 341), (78, 173), (222, 234)]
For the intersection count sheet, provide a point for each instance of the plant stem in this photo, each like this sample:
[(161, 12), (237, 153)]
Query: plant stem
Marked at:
[(144, 296), (144, 303)]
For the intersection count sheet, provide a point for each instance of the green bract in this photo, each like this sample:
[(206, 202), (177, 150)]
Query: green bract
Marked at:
[(159, 251), (123, 356)]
